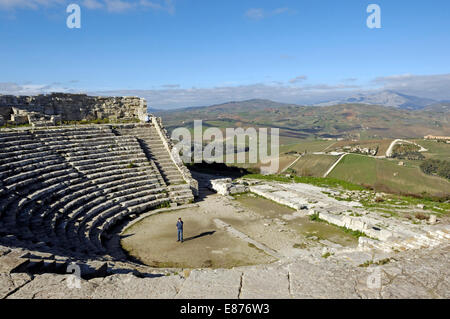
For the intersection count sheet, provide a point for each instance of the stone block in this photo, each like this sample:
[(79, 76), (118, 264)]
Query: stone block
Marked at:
[(12, 263)]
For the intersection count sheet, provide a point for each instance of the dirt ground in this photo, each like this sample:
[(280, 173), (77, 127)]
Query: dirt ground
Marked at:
[(302, 228), (153, 241)]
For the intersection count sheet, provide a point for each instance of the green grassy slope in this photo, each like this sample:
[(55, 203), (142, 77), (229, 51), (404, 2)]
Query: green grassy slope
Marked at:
[(387, 175), (314, 165)]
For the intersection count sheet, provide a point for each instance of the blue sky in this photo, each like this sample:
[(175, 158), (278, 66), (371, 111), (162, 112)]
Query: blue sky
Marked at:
[(195, 52)]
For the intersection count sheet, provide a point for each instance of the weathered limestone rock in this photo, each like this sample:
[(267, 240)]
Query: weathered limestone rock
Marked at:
[(51, 286), (225, 186), (432, 219), (11, 282), (220, 283), (390, 234), (11, 262), (4, 250), (70, 107), (423, 275), (272, 282), (321, 281), (130, 286)]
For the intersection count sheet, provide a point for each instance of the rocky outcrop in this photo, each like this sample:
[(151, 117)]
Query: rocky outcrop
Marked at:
[(385, 234), (70, 107), (422, 275), (225, 186)]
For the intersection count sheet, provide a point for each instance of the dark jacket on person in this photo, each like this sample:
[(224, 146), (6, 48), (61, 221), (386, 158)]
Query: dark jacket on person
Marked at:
[(180, 225)]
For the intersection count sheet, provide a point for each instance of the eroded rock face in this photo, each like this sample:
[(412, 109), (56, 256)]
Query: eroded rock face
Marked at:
[(71, 107)]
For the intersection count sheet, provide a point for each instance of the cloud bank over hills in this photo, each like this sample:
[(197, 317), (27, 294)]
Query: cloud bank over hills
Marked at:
[(403, 91)]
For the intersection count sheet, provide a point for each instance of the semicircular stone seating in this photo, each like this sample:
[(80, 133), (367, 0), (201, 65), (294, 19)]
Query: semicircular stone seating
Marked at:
[(62, 189)]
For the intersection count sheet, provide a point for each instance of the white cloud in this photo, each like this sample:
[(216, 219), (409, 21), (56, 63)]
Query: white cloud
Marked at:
[(119, 5), (259, 13), (255, 13), (33, 89), (92, 4), (167, 5), (298, 79), (174, 96), (28, 4), (435, 86), (171, 86), (113, 6)]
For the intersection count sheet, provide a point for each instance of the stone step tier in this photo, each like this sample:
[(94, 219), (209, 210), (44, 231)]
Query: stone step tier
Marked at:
[(63, 189)]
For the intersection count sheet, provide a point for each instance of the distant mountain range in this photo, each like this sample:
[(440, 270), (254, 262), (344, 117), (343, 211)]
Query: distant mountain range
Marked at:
[(386, 98), (341, 120)]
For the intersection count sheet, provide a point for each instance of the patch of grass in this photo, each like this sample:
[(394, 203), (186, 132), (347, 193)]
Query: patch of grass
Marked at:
[(366, 264), (386, 176), (341, 199), (14, 125), (264, 199), (254, 247), (163, 205), (384, 261), (379, 263), (355, 215), (354, 233), (314, 165), (327, 254), (317, 181), (389, 212), (300, 246), (131, 165)]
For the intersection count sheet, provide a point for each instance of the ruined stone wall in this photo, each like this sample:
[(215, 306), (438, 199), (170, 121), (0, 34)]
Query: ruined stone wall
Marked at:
[(74, 107)]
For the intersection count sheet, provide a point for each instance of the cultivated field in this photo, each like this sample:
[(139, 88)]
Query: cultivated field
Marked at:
[(387, 175), (301, 146), (436, 150), (314, 165)]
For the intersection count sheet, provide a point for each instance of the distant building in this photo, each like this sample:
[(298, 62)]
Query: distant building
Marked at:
[(432, 137)]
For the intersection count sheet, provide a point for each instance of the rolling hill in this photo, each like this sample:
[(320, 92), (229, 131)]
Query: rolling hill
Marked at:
[(386, 98), (295, 121)]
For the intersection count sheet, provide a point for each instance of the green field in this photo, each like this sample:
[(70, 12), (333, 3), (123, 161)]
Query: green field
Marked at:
[(314, 165), (387, 175), (436, 150), (309, 146)]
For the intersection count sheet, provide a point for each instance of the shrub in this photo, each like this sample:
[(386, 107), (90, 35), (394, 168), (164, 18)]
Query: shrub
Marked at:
[(314, 217), (436, 167), (421, 216), (379, 199)]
